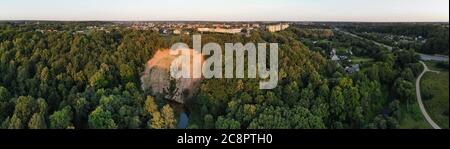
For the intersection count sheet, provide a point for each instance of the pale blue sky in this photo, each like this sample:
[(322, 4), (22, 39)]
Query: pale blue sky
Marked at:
[(227, 10)]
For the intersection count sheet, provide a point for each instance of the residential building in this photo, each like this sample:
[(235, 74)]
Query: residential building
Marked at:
[(276, 28), (221, 30)]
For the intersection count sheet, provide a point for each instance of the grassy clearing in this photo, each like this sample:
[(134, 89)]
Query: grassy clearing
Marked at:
[(361, 59), (436, 86), (413, 118)]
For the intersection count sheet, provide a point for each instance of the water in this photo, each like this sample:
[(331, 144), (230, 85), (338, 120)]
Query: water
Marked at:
[(183, 121)]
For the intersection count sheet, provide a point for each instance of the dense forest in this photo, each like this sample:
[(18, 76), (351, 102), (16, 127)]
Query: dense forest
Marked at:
[(77, 80)]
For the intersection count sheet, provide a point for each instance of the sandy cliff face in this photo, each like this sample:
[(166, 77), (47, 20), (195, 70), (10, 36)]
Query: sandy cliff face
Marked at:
[(156, 77)]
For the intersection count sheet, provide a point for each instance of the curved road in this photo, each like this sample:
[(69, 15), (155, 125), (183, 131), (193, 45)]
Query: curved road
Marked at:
[(419, 97), (425, 69), (356, 36)]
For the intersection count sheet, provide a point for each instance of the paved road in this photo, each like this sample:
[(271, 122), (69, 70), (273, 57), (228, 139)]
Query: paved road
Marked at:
[(419, 97), (356, 36), (426, 57)]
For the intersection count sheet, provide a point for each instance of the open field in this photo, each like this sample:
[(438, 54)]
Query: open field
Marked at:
[(361, 59), (435, 85), (413, 118)]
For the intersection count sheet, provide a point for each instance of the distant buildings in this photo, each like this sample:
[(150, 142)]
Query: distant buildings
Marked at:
[(180, 31), (343, 60), (221, 30), (178, 28), (353, 68), (343, 57), (335, 58), (176, 31), (255, 25), (164, 31), (276, 28), (333, 55)]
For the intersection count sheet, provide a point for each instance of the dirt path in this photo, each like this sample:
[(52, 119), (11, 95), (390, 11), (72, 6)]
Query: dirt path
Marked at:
[(419, 97)]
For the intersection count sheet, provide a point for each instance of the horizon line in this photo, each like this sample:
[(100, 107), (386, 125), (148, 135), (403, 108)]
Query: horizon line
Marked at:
[(343, 21)]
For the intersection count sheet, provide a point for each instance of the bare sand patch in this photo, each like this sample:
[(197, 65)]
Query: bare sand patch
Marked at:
[(156, 77)]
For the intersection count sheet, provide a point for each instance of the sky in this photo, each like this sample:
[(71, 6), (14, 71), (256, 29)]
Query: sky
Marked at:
[(227, 10)]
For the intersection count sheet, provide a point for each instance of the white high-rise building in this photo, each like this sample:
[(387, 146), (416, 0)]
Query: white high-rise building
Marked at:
[(276, 28)]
